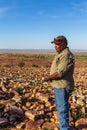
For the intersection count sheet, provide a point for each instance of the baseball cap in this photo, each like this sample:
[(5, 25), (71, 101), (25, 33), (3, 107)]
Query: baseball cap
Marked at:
[(59, 40)]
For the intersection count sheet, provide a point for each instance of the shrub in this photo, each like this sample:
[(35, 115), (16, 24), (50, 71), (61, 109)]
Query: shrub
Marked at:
[(46, 128), (34, 65), (21, 63)]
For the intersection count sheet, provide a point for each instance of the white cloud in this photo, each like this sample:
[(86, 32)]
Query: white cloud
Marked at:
[(4, 9), (41, 13), (81, 6)]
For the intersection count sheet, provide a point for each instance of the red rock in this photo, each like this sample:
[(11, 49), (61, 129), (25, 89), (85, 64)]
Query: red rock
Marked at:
[(48, 125), (31, 125), (81, 124)]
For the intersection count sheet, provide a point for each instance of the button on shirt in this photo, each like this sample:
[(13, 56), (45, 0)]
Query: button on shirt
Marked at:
[(63, 63)]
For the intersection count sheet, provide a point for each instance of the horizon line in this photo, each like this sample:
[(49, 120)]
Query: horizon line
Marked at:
[(40, 50)]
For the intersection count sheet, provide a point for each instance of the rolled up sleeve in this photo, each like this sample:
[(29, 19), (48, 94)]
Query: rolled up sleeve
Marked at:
[(65, 64)]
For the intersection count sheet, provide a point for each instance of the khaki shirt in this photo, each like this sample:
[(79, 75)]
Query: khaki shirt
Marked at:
[(63, 63)]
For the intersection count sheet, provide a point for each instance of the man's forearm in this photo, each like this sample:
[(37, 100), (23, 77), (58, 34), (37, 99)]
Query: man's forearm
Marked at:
[(52, 77)]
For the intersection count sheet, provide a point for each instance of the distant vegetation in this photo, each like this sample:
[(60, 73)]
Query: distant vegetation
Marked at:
[(78, 55), (81, 56), (32, 55)]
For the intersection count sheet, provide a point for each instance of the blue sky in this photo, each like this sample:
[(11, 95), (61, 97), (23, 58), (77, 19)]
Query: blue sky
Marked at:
[(32, 24)]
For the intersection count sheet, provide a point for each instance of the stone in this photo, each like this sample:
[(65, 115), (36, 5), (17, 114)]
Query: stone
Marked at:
[(81, 124)]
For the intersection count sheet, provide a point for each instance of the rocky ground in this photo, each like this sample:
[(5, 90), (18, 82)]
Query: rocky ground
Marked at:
[(26, 103)]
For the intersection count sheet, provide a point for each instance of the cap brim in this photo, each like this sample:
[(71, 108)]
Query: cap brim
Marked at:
[(56, 43), (52, 42)]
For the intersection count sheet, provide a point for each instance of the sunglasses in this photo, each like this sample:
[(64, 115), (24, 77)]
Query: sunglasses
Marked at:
[(58, 40)]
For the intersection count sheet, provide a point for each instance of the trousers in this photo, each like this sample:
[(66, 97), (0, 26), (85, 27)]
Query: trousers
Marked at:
[(61, 100)]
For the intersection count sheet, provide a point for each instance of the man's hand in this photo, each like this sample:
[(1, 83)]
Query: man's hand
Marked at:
[(54, 76), (45, 79)]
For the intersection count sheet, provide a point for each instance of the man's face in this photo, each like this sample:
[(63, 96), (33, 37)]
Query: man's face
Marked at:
[(60, 47)]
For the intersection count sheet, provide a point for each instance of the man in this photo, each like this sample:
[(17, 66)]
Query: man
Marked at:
[(61, 78)]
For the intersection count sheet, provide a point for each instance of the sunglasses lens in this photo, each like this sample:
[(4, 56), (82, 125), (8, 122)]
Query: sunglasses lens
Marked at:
[(59, 40)]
